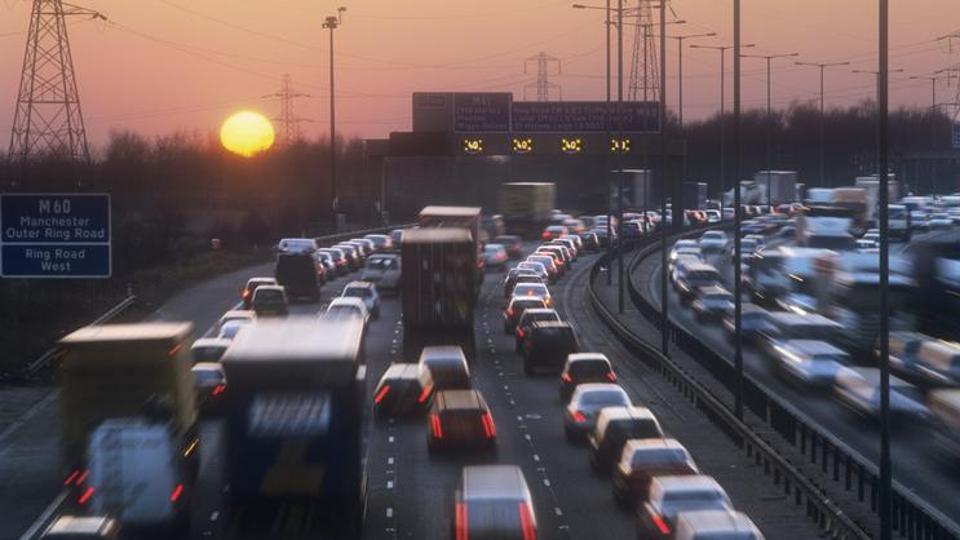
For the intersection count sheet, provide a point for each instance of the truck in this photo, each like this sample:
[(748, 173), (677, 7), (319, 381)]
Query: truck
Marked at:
[(295, 415), (526, 206), (871, 185), (855, 200), (130, 383), (694, 195), (438, 291), (780, 186), (818, 196), (825, 227)]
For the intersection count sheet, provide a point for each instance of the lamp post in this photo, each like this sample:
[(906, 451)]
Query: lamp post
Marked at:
[(769, 58), (723, 55), (680, 40), (886, 472), (823, 67), (332, 23)]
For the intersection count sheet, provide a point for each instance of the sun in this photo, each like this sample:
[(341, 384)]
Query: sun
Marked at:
[(246, 133)]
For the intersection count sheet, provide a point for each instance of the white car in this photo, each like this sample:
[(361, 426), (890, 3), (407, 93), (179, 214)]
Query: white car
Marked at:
[(859, 390), (383, 270), (809, 362), (365, 291), (346, 307), (495, 256), (713, 242), (716, 525)]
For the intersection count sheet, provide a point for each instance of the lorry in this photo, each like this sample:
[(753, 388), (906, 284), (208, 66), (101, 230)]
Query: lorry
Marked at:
[(780, 186), (438, 290), (639, 191), (855, 200), (825, 227), (871, 185), (457, 217), (526, 206), (818, 196), (295, 415), (694, 195), (131, 384)]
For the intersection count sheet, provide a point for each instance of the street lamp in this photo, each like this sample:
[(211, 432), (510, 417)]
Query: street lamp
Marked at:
[(332, 23), (723, 50), (822, 66), (885, 506), (769, 58), (680, 40)]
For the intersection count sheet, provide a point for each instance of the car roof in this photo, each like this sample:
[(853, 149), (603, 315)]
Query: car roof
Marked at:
[(460, 400), (81, 525), (587, 357), (482, 482), (540, 311), (359, 285), (207, 366), (269, 288), (551, 324), (640, 445), (626, 413), (441, 352), (352, 301), (813, 347), (211, 342), (694, 482), (716, 521), (530, 299), (714, 290), (597, 387), (261, 279), (241, 313)]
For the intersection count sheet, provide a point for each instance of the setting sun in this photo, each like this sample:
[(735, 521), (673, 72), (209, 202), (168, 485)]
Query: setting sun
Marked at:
[(247, 133)]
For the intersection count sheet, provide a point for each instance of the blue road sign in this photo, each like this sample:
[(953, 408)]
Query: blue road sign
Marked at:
[(55, 235)]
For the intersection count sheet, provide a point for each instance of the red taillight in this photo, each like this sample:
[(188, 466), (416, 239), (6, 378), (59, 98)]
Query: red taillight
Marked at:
[(611, 376), (83, 476), (381, 394), (489, 429), (424, 394), (546, 236), (520, 332), (460, 521), (526, 522), (660, 523), (509, 312), (579, 417), (71, 477), (218, 389), (86, 495), (436, 427), (177, 491), (565, 377), (246, 294)]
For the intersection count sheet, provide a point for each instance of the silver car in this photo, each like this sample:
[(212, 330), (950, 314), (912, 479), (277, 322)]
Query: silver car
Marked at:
[(580, 415)]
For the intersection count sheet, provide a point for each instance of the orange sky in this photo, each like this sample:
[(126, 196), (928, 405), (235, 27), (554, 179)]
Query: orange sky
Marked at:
[(166, 65)]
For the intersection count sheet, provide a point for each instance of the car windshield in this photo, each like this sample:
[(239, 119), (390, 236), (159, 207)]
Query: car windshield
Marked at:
[(530, 289), (603, 397), (382, 263), (589, 368), (343, 311), (685, 500), (658, 456), (207, 376), (358, 292), (268, 296)]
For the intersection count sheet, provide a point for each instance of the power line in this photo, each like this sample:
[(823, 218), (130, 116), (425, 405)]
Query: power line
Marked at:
[(289, 122)]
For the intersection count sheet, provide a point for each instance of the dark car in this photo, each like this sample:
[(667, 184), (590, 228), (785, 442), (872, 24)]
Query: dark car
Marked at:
[(460, 420), (299, 274), (547, 346), (582, 368), (530, 316), (270, 301), (404, 389), (512, 243), (517, 279), (447, 365), (643, 459), (246, 294), (615, 426), (493, 502), (515, 310)]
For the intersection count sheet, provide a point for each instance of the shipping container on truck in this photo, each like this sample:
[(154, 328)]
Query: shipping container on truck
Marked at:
[(855, 200), (295, 414), (438, 293), (871, 185), (780, 185), (526, 206), (457, 217)]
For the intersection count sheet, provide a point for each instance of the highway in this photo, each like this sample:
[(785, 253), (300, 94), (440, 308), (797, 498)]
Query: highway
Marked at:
[(916, 464), (410, 494)]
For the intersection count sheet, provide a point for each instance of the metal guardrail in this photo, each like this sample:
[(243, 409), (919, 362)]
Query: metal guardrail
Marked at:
[(913, 519)]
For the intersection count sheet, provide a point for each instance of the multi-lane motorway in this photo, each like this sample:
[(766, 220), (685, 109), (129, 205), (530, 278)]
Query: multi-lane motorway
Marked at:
[(409, 493)]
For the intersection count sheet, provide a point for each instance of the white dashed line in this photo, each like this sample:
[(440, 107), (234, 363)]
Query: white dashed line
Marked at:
[(390, 460), (546, 482), (389, 484), (536, 457), (389, 512), (214, 516), (557, 511), (390, 439)]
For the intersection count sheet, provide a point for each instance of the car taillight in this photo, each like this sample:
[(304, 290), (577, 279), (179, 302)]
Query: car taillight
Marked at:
[(579, 417), (489, 429), (83, 476), (381, 394), (460, 521), (509, 312), (218, 389), (436, 427), (86, 495), (526, 522), (246, 294), (424, 394), (177, 491), (565, 377), (611, 376), (660, 523), (520, 332), (546, 236), (71, 477)]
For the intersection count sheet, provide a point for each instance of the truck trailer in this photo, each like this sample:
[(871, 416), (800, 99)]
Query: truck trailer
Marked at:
[(526, 206)]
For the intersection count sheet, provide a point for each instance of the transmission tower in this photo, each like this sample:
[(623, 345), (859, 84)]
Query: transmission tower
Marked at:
[(289, 122), (645, 66), (543, 84), (47, 120)]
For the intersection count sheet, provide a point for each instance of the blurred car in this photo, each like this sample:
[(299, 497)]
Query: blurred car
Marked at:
[(526, 320), (590, 240), (515, 308), (539, 290), (493, 502), (693, 277), (641, 460), (210, 385), (858, 389), (495, 256), (716, 525), (689, 252), (713, 216), (347, 307), (512, 243), (603, 237), (300, 274), (754, 320), (367, 247), (366, 291), (535, 267), (712, 303), (381, 242), (247, 293), (809, 362), (297, 245), (560, 259), (397, 236), (787, 232), (68, 527), (748, 246), (546, 346), (460, 420), (574, 225), (352, 254), (554, 231), (939, 222), (585, 367), (865, 244), (270, 301), (208, 349), (518, 279), (553, 271), (229, 329), (235, 315), (383, 270), (785, 326), (403, 389), (339, 259), (615, 426), (580, 415), (329, 265), (447, 365), (670, 495), (713, 242)]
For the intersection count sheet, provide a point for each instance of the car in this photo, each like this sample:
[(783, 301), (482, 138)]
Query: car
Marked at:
[(397, 236), (546, 346), (570, 243), (404, 389), (447, 366), (521, 277), (347, 307), (352, 254), (711, 303), (244, 316), (461, 420), (493, 501), (748, 246), (538, 290), (580, 415), (582, 368), (495, 256), (270, 301), (339, 259), (785, 326), (939, 222), (690, 252), (554, 231), (759, 239), (589, 240), (70, 527), (858, 389), (526, 320), (246, 294), (574, 225), (716, 525), (670, 495), (615, 426), (365, 291), (210, 385), (381, 242), (300, 274), (632, 229), (809, 363), (553, 271), (866, 244), (329, 265), (515, 309), (297, 245), (641, 460), (368, 245), (713, 216), (713, 242), (754, 320), (208, 349), (693, 277), (535, 267), (513, 276), (557, 254), (603, 238), (229, 329), (512, 243), (383, 270), (787, 232)]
